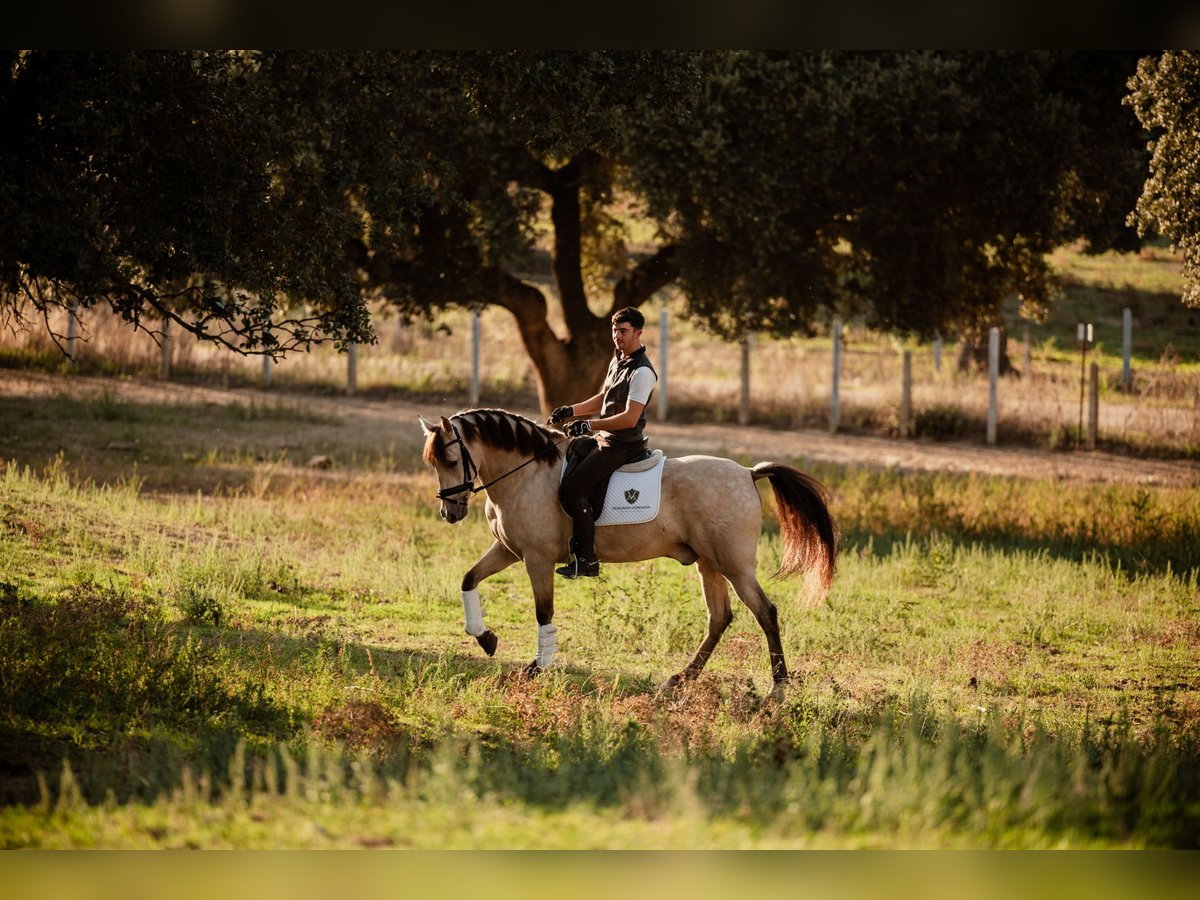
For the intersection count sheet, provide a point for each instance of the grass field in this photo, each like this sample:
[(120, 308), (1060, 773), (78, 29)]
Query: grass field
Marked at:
[(789, 378), (217, 646)]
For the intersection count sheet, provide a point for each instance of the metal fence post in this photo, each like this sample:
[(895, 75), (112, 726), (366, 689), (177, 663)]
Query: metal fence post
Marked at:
[(906, 422), (1093, 406)]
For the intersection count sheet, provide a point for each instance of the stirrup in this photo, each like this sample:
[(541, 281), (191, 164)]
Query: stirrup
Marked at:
[(580, 568)]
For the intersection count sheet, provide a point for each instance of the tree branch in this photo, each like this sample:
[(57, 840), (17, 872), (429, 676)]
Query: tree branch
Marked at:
[(640, 283)]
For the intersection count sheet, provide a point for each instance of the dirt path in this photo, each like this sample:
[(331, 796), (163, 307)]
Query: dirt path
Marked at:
[(394, 421)]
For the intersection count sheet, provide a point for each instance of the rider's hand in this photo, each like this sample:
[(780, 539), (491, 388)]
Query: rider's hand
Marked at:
[(561, 414), (579, 429)]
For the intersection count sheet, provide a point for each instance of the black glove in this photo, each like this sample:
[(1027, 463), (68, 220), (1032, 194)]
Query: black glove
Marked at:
[(561, 414), (579, 428)]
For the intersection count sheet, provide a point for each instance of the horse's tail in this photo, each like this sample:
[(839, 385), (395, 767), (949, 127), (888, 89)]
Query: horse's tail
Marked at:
[(808, 530)]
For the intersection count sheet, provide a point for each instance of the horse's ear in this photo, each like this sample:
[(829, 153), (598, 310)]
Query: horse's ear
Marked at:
[(446, 426), (426, 427)]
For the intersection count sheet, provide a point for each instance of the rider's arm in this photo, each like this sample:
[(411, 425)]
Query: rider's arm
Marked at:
[(589, 406), (627, 418)]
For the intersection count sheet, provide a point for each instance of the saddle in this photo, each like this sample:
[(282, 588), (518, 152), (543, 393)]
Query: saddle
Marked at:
[(579, 449)]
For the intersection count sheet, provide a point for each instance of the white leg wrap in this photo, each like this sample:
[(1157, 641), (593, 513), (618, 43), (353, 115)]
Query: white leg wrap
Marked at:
[(473, 613), (547, 645)]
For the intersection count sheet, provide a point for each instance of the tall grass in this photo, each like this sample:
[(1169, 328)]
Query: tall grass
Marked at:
[(1000, 663)]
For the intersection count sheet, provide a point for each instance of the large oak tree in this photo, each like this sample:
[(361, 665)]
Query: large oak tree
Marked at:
[(264, 198)]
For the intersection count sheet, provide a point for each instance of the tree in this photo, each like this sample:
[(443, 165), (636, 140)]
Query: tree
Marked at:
[(914, 189), (1165, 94), (144, 181)]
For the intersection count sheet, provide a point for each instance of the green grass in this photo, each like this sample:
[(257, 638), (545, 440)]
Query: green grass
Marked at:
[(279, 661)]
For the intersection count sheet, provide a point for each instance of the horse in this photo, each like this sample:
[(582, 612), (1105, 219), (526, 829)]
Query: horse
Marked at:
[(710, 516)]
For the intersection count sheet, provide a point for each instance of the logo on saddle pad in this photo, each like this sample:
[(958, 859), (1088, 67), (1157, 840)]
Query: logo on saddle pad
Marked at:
[(639, 485)]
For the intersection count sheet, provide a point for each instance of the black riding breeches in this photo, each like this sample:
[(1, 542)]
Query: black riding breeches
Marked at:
[(576, 489)]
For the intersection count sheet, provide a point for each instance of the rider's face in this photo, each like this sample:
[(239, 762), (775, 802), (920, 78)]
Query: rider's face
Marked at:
[(625, 337)]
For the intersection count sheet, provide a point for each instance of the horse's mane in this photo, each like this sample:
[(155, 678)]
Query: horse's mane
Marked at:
[(502, 430)]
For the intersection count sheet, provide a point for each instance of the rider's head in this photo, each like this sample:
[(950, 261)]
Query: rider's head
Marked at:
[(627, 327), (630, 315)]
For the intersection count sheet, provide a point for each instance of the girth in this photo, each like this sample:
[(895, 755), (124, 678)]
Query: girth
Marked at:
[(578, 450)]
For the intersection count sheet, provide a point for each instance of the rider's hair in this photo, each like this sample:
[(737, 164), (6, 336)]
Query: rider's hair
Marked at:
[(630, 315)]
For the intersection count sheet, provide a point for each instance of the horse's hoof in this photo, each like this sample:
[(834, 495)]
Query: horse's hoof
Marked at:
[(532, 670), (488, 642), (778, 692)]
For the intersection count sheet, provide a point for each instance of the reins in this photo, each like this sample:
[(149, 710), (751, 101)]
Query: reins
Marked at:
[(470, 470)]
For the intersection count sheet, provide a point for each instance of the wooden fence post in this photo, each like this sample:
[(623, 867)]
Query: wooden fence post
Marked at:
[(906, 422), (164, 364), (73, 332), (993, 378), (1127, 348), (744, 394), (662, 364), (835, 411), (351, 367), (937, 354), (1027, 354), (474, 356)]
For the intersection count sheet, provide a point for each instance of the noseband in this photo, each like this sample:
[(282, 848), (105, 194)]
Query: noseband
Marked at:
[(470, 470)]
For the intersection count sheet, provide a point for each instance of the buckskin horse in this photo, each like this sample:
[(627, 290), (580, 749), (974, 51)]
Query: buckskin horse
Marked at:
[(710, 514)]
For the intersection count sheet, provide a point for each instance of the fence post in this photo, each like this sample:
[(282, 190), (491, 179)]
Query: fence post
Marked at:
[(993, 378), (744, 396), (1093, 406), (1126, 348), (937, 354), (835, 411), (164, 365), (474, 356), (662, 364), (351, 367), (1027, 354), (266, 370), (906, 423), (73, 332)]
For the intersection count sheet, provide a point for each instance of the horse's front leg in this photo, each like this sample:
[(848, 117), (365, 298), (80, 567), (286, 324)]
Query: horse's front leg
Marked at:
[(496, 559), (541, 579)]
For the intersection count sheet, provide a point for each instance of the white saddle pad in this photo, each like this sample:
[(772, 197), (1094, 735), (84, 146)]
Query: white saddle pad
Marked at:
[(633, 492)]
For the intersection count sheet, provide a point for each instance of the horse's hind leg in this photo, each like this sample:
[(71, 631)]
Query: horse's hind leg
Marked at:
[(496, 559), (716, 597), (751, 593)]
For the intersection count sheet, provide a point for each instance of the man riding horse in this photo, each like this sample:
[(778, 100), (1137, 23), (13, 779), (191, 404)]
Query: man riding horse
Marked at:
[(616, 434)]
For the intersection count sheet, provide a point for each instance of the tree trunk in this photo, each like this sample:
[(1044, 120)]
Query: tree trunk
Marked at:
[(973, 354), (567, 371)]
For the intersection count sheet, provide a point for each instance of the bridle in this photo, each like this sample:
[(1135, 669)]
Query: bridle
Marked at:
[(471, 471)]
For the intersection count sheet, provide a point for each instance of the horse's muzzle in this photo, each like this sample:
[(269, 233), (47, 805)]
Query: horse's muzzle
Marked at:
[(454, 513)]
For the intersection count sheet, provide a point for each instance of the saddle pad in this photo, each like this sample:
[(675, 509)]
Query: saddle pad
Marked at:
[(633, 492)]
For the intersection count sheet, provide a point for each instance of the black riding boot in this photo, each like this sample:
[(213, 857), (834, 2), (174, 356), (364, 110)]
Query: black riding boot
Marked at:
[(583, 545)]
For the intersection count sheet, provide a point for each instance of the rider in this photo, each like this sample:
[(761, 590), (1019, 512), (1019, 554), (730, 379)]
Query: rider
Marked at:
[(617, 433)]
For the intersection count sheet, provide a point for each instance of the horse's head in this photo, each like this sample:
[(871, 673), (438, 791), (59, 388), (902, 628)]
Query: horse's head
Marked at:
[(456, 470)]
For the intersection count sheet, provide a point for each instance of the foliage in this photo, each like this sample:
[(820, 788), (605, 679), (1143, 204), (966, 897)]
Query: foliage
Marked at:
[(268, 195), (1165, 94)]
